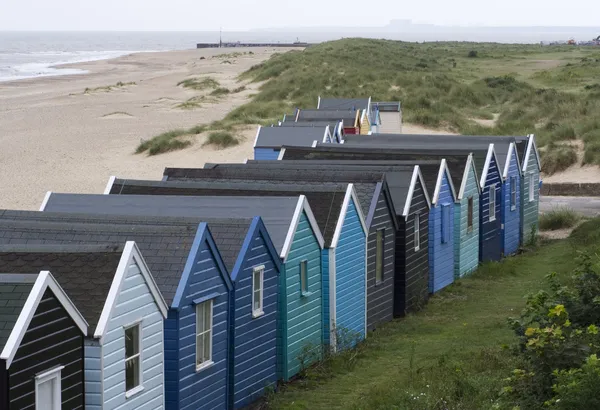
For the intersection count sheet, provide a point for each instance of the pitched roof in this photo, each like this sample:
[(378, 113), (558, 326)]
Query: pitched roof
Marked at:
[(344, 103), (229, 235), (277, 213), (85, 273), (164, 242), (275, 137), (349, 117), (14, 291), (325, 201), (391, 106)]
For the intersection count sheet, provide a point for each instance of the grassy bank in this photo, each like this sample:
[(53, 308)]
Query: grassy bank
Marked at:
[(452, 355)]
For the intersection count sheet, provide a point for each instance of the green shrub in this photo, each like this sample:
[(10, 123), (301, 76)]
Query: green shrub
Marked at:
[(558, 159), (564, 132), (220, 91), (199, 83), (586, 233), (592, 153), (165, 142), (577, 388), (472, 54), (558, 218), (221, 139)]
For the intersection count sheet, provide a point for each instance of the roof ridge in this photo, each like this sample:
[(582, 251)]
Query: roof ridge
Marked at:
[(62, 248)]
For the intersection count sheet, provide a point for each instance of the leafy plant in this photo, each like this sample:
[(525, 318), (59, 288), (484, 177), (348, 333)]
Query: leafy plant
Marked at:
[(558, 218)]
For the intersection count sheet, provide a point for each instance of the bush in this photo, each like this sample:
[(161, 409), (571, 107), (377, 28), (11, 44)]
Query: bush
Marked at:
[(564, 132), (220, 91), (222, 139), (586, 233), (577, 388), (165, 142), (199, 83), (472, 54), (558, 218), (558, 159)]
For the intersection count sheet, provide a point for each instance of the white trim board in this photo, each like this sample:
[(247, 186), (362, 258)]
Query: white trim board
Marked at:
[(438, 185), (486, 167), (109, 185), (130, 253), (531, 145), (416, 176), (281, 154), (463, 185), (301, 206), (256, 137), (350, 195), (511, 150), (45, 201), (44, 281)]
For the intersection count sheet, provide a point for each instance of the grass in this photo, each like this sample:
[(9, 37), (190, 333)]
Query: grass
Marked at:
[(219, 92), (451, 355), (190, 104), (199, 83), (558, 158), (108, 88), (165, 142), (558, 218), (221, 139)]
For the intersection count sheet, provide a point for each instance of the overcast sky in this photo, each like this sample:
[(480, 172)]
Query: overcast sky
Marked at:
[(207, 15)]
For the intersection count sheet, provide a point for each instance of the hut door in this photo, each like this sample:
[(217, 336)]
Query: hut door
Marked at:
[(47, 390)]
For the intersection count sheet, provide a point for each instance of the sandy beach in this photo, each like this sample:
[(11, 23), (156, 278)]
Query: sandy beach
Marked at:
[(54, 136)]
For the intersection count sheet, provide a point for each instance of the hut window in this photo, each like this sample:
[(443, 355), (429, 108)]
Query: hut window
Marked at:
[(417, 231), (513, 193), (531, 187), (48, 389), (304, 278), (133, 362), (492, 203), (257, 291), (470, 215), (445, 223), (379, 256), (204, 324)]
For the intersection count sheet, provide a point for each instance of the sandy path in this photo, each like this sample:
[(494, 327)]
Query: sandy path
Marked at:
[(53, 136)]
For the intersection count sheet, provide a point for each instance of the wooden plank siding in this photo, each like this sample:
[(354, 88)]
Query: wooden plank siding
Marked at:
[(380, 296), (52, 339), (350, 277), (490, 232), (530, 209), (441, 254), (412, 266), (466, 242), (266, 153), (325, 266), (254, 340), (511, 218), (207, 388), (134, 304), (302, 315), (93, 374)]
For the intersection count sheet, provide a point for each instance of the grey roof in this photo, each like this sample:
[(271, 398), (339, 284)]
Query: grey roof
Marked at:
[(275, 137), (325, 201), (391, 106), (277, 213), (85, 273), (165, 243), (344, 104), (333, 125), (349, 117), (14, 291)]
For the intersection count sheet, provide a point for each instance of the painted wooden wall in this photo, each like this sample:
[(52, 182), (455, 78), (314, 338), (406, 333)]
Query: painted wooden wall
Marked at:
[(134, 303), (266, 153), (254, 340), (441, 252), (412, 266), (380, 296), (365, 126), (490, 232), (530, 209), (93, 374), (391, 123), (187, 389), (52, 339), (511, 218), (303, 314), (466, 243), (326, 268), (350, 277)]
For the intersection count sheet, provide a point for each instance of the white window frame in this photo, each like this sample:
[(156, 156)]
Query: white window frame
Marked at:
[(140, 386), (417, 232), (259, 270), (492, 203), (470, 216), (513, 194), (531, 187), (209, 362), (379, 251), (304, 278), (54, 374)]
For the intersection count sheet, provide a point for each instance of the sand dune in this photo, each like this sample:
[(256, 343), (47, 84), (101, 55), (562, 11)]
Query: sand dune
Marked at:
[(55, 135)]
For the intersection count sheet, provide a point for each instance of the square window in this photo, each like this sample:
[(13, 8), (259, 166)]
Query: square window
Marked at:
[(417, 232), (492, 209), (204, 334), (257, 291), (304, 277), (470, 215), (132, 358), (379, 256)]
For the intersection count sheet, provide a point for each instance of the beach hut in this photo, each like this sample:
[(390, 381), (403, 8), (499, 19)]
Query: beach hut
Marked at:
[(269, 140), (339, 216), (297, 241), (376, 203), (336, 127), (390, 115), (351, 119), (117, 296), (191, 276), (41, 339)]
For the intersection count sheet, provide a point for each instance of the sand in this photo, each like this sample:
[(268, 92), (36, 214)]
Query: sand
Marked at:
[(56, 137)]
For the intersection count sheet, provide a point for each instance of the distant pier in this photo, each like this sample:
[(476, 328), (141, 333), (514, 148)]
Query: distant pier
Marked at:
[(245, 45)]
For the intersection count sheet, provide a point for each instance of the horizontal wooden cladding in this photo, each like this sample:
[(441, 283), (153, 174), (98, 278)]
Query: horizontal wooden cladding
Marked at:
[(52, 340)]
